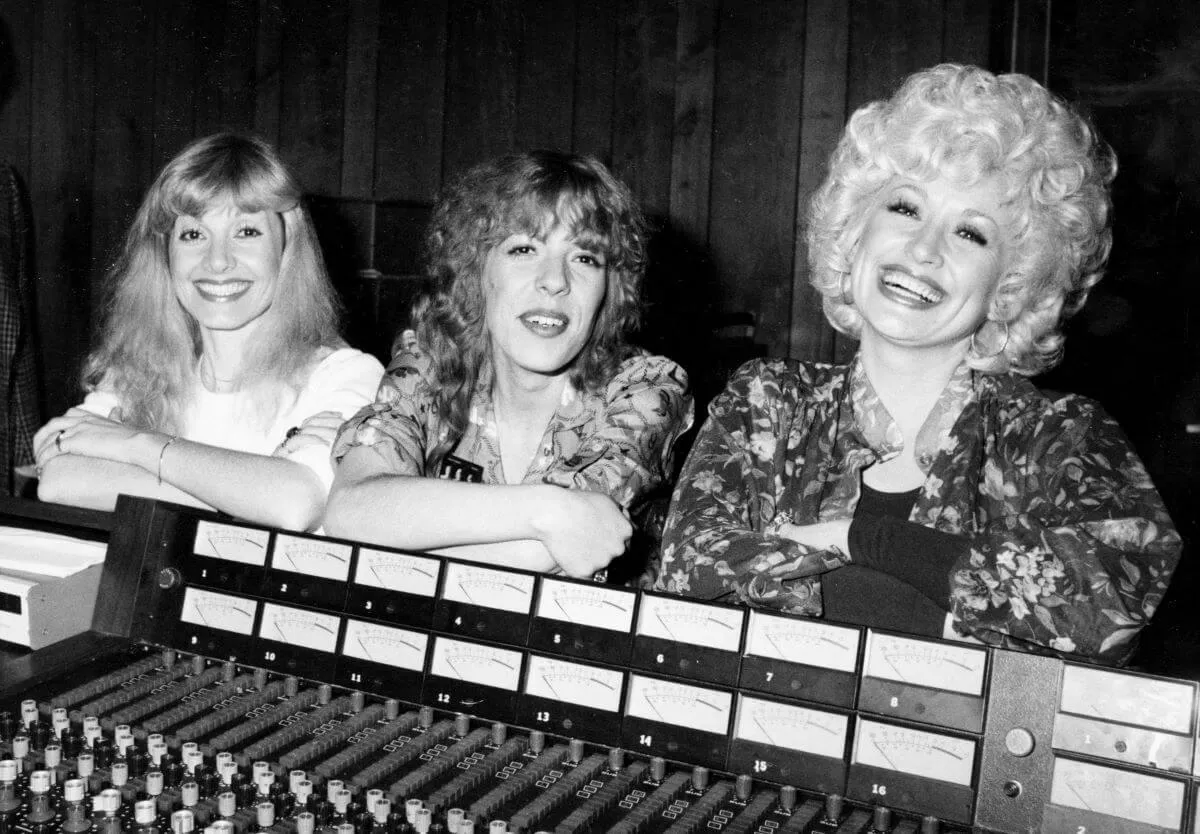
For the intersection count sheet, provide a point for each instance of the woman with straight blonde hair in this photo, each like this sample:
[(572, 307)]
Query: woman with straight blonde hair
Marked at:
[(219, 378)]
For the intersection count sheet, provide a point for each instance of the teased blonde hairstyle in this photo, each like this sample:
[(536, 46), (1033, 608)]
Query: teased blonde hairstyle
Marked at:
[(524, 193), (149, 345), (966, 123)]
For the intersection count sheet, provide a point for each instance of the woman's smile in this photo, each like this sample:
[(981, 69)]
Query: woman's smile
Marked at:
[(222, 292), (902, 286), (546, 323)]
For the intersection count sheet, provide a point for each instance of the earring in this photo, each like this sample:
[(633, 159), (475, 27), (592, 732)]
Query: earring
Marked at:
[(998, 351)]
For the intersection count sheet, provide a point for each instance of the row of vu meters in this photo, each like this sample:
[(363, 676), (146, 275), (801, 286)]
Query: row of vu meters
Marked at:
[(163, 743)]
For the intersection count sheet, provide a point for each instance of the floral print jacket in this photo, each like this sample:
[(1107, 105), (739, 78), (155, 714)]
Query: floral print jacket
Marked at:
[(616, 441), (1070, 547)]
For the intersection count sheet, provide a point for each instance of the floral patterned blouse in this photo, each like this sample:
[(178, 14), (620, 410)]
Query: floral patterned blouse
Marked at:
[(1070, 547), (616, 441)]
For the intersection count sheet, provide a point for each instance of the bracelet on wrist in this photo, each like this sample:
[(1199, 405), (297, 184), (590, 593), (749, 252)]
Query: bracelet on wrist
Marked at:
[(161, 452)]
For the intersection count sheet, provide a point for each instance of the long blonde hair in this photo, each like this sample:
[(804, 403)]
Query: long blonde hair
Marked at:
[(149, 345)]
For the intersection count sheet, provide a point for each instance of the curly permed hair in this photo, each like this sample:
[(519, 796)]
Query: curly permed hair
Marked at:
[(527, 193), (966, 123)]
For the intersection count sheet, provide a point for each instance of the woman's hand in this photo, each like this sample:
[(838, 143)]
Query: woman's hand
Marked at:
[(318, 430), (79, 432), (824, 535), (583, 531)]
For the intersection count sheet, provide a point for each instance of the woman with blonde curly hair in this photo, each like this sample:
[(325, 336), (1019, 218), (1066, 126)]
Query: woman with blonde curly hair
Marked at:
[(516, 424), (220, 378), (928, 486)]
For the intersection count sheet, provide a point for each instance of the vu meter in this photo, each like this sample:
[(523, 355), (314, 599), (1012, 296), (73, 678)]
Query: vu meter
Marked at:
[(912, 769), (584, 620), (485, 603), (216, 624), (473, 677), (567, 697), (924, 680), (394, 587), (677, 720), (694, 640), (382, 659), (1092, 797), (789, 743), (220, 611), (801, 658), (231, 543), (298, 641)]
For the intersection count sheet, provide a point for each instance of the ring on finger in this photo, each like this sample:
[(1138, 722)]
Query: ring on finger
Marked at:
[(58, 439)]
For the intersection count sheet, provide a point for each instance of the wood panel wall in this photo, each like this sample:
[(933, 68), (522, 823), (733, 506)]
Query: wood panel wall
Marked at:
[(719, 113)]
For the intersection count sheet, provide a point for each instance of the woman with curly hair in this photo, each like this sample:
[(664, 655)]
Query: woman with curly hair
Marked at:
[(928, 486), (220, 378), (516, 425)]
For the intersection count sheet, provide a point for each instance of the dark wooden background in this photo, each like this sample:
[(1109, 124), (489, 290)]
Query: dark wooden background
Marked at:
[(719, 113)]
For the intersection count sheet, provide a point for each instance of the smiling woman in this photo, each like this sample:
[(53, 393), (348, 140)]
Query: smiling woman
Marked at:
[(219, 369), (516, 425), (928, 486)]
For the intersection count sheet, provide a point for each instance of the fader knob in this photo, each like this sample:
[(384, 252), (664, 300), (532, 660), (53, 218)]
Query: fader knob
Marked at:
[(575, 750), (930, 825), (324, 694), (168, 658), (29, 712), (787, 798), (499, 733), (616, 759), (425, 718), (306, 823), (260, 678), (743, 787), (881, 820), (183, 822), (145, 811), (197, 664), (537, 741), (462, 724), (228, 671), (391, 709), (833, 808), (291, 685), (658, 768), (700, 778)]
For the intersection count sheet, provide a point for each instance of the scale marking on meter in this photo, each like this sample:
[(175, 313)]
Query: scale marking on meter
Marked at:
[(587, 605), (299, 628), (231, 543), (574, 683), (312, 557), (790, 639), (791, 726), (1128, 699), (488, 588), (914, 752), (395, 647), (1113, 793), (695, 623), (220, 611), (399, 572), (926, 663), (476, 663), (679, 704)]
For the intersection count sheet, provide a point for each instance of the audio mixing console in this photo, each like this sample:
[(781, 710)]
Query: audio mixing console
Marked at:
[(239, 678)]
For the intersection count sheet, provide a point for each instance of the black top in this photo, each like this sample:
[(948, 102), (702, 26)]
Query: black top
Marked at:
[(898, 577)]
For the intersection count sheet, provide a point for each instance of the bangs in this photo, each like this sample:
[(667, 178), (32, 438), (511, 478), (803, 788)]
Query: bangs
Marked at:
[(238, 173), (575, 207)]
